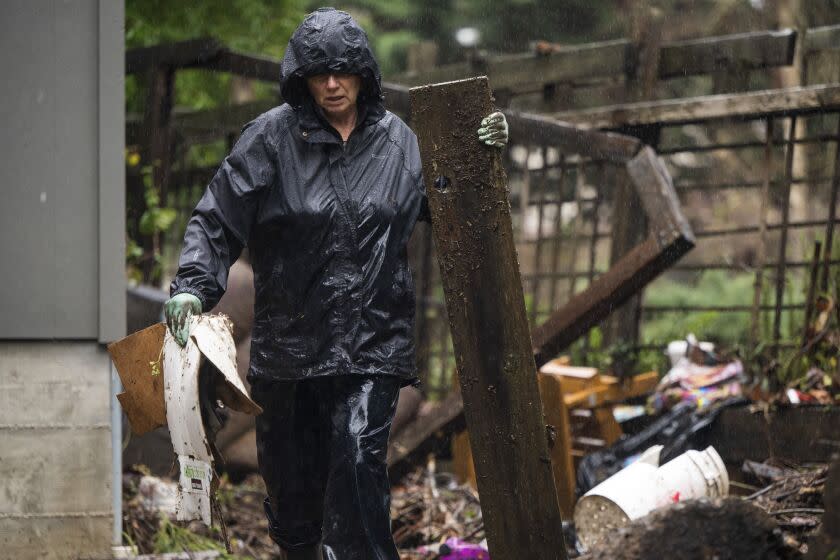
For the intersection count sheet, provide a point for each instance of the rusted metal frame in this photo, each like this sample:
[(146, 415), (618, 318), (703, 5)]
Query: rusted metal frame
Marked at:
[(812, 290), (832, 214), (524, 194), (593, 249), (557, 236), (780, 263), (685, 187), (535, 278), (669, 240), (576, 224), (582, 236), (761, 254), (593, 241)]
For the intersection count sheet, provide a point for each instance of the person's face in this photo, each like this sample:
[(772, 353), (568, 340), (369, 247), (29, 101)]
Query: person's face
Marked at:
[(335, 93)]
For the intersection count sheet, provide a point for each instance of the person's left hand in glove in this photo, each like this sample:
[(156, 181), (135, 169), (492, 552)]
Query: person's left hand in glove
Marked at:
[(494, 130)]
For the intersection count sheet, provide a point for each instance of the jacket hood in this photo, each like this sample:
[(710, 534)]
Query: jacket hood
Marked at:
[(330, 40)]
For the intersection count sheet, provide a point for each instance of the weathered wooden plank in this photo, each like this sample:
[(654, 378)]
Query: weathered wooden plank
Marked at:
[(560, 439), (530, 72), (445, 418), (760, 49), (821, 39), (529, 128), (524, 127), (802, 434), (246, 65), (174, 55), (524, 72), (484, 300), (800, 100), (653, 184)]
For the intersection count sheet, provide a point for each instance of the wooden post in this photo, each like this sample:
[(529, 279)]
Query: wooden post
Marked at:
[(158, 150), (627, 228), (484, 299)]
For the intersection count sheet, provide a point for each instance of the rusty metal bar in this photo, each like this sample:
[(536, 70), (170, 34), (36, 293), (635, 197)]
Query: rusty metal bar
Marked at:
[(812, 290), (557, 238), (785, 202), (832, 214), (535, 281), (761, 255)]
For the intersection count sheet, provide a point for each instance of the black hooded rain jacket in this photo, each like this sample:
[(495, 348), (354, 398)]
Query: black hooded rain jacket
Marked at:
[(326, 223)]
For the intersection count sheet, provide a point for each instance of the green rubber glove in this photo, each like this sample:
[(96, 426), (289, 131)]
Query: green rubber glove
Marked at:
[(494, 130), (178, 310)]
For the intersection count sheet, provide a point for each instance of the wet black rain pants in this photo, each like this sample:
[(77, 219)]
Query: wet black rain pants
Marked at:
[(321, 445)]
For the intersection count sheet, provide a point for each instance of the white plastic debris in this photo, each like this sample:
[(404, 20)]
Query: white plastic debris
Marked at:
[(158, 495), (643, 486), (210, 338)]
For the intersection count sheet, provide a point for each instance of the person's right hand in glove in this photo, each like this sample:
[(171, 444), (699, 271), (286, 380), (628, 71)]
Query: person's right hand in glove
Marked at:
[(178, 310)]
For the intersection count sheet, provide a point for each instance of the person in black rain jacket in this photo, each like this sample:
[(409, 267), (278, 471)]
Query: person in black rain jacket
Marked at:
[(325, 191)]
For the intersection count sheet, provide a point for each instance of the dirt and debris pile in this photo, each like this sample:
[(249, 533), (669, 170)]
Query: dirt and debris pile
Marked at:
[(726, 529), (426, 509), (153, 532), (795, 500)]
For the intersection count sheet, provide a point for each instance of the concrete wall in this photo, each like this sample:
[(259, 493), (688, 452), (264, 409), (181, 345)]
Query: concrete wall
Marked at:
[(55, 450), (62, 169), (62, 237)]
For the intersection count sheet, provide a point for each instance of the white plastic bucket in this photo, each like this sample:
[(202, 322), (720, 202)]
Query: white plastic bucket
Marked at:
[(642, 487), (694, 474)]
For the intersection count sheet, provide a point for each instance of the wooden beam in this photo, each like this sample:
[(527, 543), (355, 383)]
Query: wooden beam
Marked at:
[(529, 72), (754, 105), (416, 439), (522, 72), (484, 299), (821, 39), (760, 49), (174, 55), (246, 65), (560, 440), (803, 434), (526, 128)]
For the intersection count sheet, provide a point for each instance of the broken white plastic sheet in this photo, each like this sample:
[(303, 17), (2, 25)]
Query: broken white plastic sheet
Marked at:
[(211, 339)]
